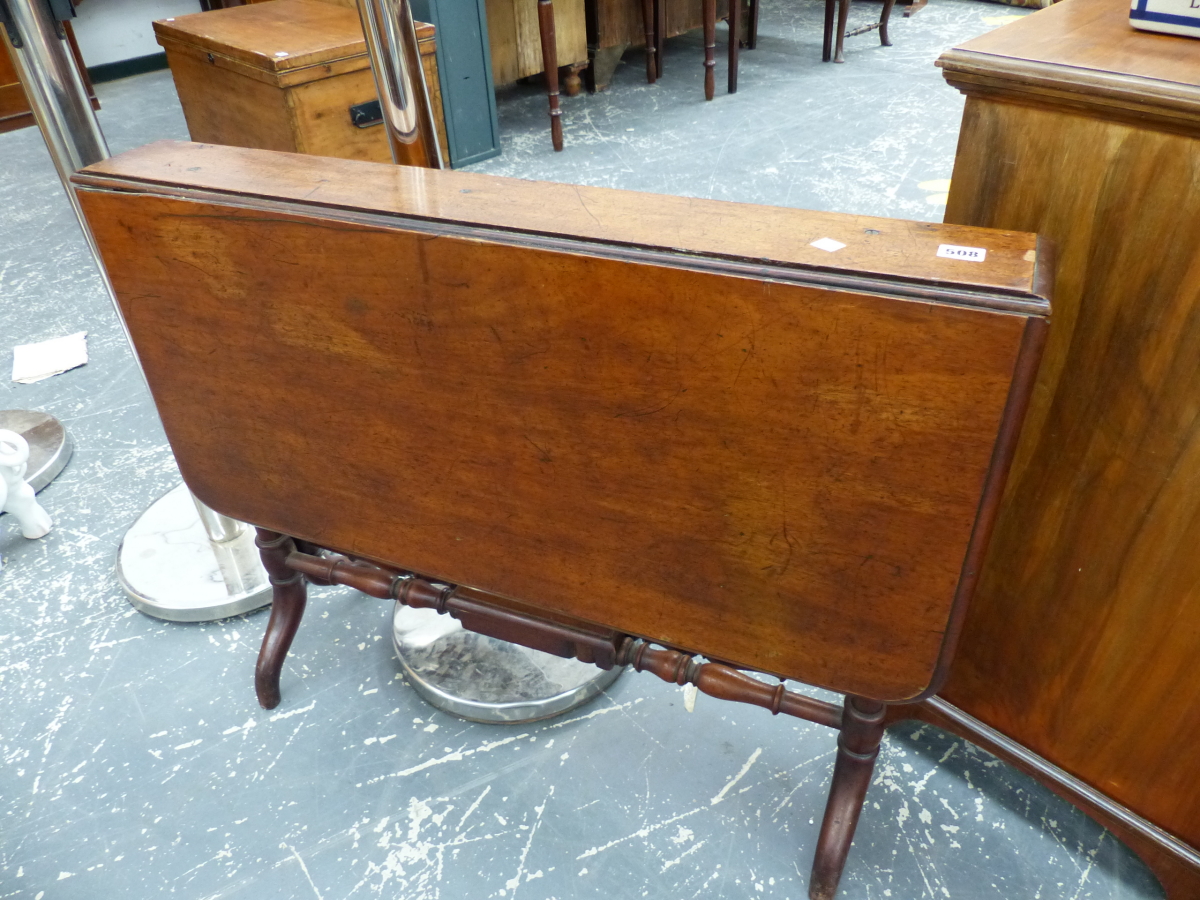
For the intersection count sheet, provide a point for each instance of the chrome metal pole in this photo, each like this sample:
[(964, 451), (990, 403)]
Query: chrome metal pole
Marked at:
[(175, 563), (50, 445), (400, 82)]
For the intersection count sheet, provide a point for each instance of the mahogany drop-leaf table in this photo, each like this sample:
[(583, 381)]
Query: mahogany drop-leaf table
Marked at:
[(701, 439)]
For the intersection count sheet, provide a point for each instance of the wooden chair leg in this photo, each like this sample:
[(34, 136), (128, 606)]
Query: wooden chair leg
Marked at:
[(288, 598), (550, 64), (735, 37), (883, 22), (651, 41), (843, 14), (827, 39), (858, 745), (710, 48), (752, 29)]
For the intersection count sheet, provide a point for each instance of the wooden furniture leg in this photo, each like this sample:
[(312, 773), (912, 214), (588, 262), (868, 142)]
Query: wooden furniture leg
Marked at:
[(858, 745), (827, 38), (660, 33), (289, 595), (883, 22), (735, 38), (752, 28), (648, 16), (573, 82), (843, 14), (550, 62), (710, 48)]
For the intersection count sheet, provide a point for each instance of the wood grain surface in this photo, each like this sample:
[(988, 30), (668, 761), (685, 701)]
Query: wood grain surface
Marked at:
[(1095, 35), (1083, 56), (1082, 640), (308, 32), (766, 471), (740, 233)]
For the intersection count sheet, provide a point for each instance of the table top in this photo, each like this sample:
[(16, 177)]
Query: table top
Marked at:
[(741, 232)]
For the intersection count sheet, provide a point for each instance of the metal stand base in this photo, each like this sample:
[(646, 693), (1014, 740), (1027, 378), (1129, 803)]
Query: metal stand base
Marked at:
[(171, 570), (482, 679), (50, 447)]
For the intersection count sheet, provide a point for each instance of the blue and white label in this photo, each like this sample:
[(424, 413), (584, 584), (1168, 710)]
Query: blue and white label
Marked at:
[(1169, 16), (968, 254)]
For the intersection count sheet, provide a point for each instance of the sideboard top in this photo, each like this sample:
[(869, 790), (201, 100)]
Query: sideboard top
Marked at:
[(1087, 52), (723, 233)]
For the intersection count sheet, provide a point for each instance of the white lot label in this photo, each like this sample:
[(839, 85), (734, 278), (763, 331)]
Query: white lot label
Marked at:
[(970, 254), (829, 245)]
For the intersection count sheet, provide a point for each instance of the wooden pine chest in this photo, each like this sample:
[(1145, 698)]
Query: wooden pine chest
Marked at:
[(288, 75)]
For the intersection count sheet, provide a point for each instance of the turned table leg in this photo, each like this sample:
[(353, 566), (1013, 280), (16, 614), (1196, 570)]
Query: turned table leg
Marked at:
[(289, 596), (651, 41), (735, 37), (710, 47), (550, 63), (858, 745), (827, 37)]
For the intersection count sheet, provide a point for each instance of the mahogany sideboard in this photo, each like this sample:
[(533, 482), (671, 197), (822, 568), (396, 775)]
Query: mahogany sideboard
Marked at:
[(1078, 658)]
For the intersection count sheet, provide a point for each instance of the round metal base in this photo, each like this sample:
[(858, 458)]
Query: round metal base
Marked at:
[(50, 447), (482, 679), (171, 570)]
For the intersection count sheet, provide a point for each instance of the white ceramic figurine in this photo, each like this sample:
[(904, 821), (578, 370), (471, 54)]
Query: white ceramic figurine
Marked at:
[(16, 496)]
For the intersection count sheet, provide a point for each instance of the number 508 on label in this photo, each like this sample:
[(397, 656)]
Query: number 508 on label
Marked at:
[(969, 254)]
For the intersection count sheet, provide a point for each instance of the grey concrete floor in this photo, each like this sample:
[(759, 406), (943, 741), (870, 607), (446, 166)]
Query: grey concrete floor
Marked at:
[(136, 763)]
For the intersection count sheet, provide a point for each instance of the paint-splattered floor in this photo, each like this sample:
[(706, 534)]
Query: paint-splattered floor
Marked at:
[(136, 762)]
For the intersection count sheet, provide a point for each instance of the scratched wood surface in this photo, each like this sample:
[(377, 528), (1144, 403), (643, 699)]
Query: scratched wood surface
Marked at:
[(744, 464)]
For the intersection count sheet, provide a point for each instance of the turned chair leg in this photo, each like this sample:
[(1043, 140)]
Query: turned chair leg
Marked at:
[(883, 22), (827, 39), (710, 48), (651, 41), (289, 595), (545, 10), (735, 37), (858, 745), (843, 14)]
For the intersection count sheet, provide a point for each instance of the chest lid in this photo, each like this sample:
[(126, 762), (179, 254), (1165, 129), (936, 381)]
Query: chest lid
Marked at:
[(283, 42)]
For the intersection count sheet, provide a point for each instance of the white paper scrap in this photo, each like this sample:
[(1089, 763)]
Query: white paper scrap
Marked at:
[(689, 697), (33, 362), (829, 245), (969, 254)]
